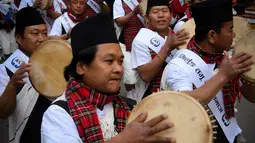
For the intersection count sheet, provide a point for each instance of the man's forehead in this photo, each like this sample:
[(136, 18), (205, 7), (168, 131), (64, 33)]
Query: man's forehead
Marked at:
[(40, 27)]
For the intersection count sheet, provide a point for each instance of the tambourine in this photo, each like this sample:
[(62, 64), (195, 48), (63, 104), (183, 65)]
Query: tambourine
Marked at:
[(241, 27), (192, 123), (48, 63), (247, 44)]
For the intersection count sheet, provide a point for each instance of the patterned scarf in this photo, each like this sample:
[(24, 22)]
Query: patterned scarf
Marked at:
[(83, 102), (230, 90), (131, 28), (73, 18)]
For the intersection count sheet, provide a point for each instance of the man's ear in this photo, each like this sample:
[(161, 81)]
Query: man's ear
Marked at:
[(18, 38), (81, 68), (212, 36)]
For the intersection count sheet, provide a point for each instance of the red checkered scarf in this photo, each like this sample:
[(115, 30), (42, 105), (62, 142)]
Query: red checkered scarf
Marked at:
[(83, 102), (131, 28), (73, 18), (230, 90), (89, 11)]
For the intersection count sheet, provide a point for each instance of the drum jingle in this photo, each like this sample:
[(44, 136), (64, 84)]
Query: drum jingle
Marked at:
[(191, 122), (48, 63), (247, 44)]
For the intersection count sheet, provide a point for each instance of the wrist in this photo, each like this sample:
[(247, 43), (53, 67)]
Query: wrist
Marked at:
[(222, 78)]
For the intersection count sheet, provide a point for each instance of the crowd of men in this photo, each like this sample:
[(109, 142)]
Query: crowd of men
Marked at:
[(113, 42)]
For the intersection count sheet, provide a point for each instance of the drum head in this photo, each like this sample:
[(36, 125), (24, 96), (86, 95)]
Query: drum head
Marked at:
[(189, 26), (241, 27), (247, 44), (48, 63), (191, 122)]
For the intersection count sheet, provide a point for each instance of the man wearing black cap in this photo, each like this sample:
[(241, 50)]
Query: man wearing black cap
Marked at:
[(204, 70), (151, 50), (18, 99), (91, 111)]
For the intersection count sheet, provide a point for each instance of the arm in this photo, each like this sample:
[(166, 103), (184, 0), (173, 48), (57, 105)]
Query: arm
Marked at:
[(58, 127), (145, 71), (8, 101), (248, 92), (8, 98)]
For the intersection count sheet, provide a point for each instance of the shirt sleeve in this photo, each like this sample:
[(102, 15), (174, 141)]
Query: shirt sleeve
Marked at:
[(140, 54), (118, 10), (56, 28), (4, 79), (177, 80), (58, 127)]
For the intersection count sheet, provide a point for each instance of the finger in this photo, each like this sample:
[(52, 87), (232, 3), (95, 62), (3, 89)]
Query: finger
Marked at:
[(245, 64), (21, 82), (157, 139), (243, 58), (153, 122), (182, 38), (179, 43), (161, 127), (141, 118), (24, 69), (238, 55)]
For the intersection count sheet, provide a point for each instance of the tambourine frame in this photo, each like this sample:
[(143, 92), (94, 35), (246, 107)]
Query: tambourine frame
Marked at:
[(210, 128), (37, 49)]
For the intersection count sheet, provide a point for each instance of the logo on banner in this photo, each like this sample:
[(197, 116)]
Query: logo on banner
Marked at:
[(225, 121), (155, 42), (16, 62)]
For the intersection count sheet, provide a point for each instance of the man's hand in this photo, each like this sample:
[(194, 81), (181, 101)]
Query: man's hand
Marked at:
[(175, 40), (236, 65), (139, 131), (20, 74)]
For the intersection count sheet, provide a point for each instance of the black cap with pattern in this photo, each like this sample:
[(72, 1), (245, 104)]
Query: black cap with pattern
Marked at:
[(95, 30)]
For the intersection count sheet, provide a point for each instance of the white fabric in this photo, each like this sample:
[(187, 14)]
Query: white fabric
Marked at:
[(25, 102), (95, 6), (174, 78), (179, 24), (130, 76), (57, 26), (7, 41), (58, 126), (59, 6), (118, 10)]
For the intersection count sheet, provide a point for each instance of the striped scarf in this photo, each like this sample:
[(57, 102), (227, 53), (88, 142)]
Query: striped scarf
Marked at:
[(230, 90), (83, 102)]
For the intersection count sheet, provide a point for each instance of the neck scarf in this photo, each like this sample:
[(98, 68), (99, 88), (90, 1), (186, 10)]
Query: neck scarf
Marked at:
[(73, 18), (230, 90), (83, 102)]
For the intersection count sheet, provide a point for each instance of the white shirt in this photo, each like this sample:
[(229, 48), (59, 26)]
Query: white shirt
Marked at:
[(118, 10), (140, 54), (177, 79), (64, 21), (4, 79), (7, 41), (59, 5), (58, 126)]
